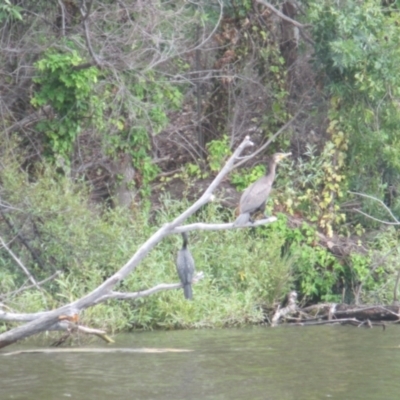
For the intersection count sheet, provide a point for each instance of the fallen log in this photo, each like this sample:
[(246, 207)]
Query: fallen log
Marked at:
[(332, 313), (361, 313)]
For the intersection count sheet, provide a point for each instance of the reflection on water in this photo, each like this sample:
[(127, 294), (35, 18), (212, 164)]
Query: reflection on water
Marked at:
[(257, 363)]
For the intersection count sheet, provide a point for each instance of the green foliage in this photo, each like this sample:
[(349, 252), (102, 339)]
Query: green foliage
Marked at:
[(194, 171), (376, 270), (357, 53), (218, 151), (70, 92), (244, 178), (316, 271), (314, 185), (10, 12), (239, 8), (361, 272), (144, 115)]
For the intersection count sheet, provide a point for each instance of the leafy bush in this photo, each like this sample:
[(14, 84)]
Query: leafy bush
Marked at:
[(69, 90), (357, 53)]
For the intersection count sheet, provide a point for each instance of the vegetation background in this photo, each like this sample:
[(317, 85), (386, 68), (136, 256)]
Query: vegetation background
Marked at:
[(115, 115)]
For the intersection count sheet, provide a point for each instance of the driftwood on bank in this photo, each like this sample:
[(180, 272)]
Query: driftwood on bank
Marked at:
[(99, 350), (332, 313)]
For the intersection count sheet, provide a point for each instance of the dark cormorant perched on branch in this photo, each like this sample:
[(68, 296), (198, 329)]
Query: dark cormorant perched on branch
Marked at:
[(255, 196), (185, 267)]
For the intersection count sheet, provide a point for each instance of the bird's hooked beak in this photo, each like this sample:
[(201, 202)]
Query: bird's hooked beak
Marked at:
[(283, 155)]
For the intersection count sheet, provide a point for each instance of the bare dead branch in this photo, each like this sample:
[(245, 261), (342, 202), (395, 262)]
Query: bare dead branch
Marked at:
[(397, 222), (148, 292), (22, 289), (281, 15), (72, 327), (24, 317), (62, 8), (85, 9), (375, 219), (19, 235), (21, 265), (30, 119), (289, 309), (269, 141), (221, 227), (85, 12)]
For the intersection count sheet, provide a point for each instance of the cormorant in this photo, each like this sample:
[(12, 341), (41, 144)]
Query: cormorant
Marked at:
[(185, 267), (255, 196)]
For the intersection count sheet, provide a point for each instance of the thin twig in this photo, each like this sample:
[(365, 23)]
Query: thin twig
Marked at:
[(281, 15), (21, 238), (147, 292), (62, 7), (381, 203), (269, 141), (85, 15), (19, 262), (22, 289), (375, 219)]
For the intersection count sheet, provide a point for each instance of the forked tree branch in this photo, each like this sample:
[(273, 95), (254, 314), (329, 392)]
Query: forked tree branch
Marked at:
[(61, 325)]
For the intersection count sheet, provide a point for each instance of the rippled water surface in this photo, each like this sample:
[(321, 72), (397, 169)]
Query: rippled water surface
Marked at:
[(257, 363)]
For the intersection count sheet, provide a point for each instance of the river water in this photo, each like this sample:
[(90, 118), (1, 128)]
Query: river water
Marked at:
[(254, 363)]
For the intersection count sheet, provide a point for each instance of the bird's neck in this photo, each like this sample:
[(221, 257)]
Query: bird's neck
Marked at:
[(272, 168), (185, 240)]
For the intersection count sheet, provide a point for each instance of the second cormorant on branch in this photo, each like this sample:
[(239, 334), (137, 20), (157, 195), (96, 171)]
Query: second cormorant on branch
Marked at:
[(185, 267), (255, 196)]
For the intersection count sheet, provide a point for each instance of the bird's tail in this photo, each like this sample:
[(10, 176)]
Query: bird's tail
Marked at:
[(242, 219), (187, 290)]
